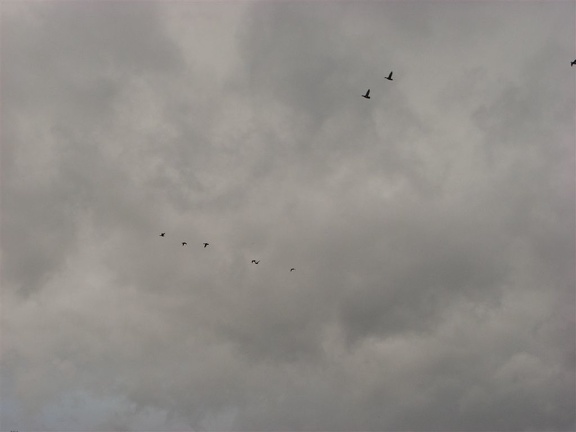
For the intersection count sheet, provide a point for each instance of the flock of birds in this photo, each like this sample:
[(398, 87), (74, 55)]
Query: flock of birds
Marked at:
[(208, 244), (367, 96)]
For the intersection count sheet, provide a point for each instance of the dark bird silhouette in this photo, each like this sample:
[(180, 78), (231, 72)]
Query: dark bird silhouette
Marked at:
[(367, 95), (573, 63), (255, 262), (389, 77), (206, 244), (184, 243), (292, 269), (162, 234)]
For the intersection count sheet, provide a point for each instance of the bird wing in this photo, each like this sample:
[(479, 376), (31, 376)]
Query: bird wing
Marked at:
[(368, 92), (390, 76)]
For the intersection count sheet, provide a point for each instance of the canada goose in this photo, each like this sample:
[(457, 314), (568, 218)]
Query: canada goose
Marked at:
[(255, 262), (367, 95), (292, 269), (184, 243), (206, 244), (573, 63), (389, 77), (162, 234)]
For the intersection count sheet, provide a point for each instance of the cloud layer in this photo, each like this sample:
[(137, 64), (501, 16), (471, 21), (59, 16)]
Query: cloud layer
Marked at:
[(431, 227)]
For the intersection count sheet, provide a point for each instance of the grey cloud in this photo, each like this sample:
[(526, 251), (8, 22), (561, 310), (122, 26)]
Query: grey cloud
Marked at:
[(431, 227)]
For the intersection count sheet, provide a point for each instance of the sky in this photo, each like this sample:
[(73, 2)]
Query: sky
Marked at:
[(431, 227)]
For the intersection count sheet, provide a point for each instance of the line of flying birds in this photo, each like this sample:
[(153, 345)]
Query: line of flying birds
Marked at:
[(208, 244), (367, 96)]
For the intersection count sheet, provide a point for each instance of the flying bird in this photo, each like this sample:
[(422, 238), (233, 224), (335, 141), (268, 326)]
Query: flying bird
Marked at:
[(573, 63), (367, 95), (206, 244), (389, 77), (184, 243), (162, 234), (255, 262), (292, 269)]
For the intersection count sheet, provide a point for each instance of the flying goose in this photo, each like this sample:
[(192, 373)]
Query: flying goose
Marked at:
[(367, 95), (389, 77), (573, 63), (255, 262), (292, 269), (162, 234), (206, 244), (184, 243)]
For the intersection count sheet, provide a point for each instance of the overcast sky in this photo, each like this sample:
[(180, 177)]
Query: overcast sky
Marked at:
[(431, 227)]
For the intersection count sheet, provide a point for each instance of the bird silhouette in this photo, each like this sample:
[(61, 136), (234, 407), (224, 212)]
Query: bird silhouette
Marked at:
[(573, 63), (367, 95), (292, 269), (255, 262), (184, 243), (389, 77), (162, 234), (206, 244)]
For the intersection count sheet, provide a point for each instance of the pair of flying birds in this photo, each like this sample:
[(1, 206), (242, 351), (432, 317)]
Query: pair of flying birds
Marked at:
[(256, 262), (367, 95), (183, 243), (186, 244)]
